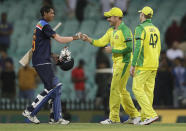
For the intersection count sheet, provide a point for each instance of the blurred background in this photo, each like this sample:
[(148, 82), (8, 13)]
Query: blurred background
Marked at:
[(85, 92)]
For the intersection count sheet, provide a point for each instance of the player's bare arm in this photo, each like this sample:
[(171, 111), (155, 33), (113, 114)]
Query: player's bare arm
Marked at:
[(64, 40)]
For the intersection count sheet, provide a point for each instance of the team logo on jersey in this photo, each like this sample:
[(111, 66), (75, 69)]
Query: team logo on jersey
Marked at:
[(41, 24)]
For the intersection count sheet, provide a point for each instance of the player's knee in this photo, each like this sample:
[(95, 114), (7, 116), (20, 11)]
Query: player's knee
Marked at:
[(44, 93), (57, 90), (48, 86), (54, 92)]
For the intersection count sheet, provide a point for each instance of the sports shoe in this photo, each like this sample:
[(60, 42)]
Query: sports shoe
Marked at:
[(63, 121), (60, 121), (52, 121), (107, 121), (33, 119), (148, 121), (134, 120)]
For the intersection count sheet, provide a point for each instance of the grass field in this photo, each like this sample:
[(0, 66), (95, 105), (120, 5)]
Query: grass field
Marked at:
[(92, 127)]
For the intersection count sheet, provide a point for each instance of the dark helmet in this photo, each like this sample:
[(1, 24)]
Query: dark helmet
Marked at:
[(66, 64)]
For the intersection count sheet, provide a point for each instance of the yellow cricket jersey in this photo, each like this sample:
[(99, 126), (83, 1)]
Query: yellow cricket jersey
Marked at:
[(147, 46), (120, 41)]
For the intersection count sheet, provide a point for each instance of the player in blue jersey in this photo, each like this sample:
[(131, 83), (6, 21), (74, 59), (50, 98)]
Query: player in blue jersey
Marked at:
[(41, 47)]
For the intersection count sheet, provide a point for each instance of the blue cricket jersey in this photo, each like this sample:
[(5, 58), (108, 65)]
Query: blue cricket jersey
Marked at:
[(41, 44)]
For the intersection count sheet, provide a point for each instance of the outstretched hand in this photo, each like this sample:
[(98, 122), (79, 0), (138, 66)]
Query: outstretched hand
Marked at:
[(77, 36), (84, 37)]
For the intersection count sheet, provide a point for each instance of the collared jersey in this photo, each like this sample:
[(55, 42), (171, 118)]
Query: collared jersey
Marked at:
[(41, 44), (120, 41), (147, 46)]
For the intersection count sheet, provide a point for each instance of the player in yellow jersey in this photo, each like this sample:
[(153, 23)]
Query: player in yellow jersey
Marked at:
[(145, 62), (120, 38)]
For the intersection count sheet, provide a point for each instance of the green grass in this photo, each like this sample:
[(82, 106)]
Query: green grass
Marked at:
[(92, 127)]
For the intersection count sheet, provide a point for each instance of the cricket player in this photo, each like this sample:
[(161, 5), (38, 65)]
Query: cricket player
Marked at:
[(145, 63), (41, 47), (121, 40)]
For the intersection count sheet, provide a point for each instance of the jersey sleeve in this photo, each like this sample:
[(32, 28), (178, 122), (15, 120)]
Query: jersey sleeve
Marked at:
[(138, 40), (103, 41), (48, 31)]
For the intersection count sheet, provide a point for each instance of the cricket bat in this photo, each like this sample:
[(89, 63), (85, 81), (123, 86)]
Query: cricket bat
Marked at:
[(27, 57)]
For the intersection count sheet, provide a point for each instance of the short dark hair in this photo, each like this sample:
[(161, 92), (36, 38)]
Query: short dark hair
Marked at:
[(45, 9), (120, 18), (149, 16)]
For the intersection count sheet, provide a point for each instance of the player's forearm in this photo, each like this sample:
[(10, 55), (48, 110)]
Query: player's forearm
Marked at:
[(124, 51), (89, 40), (64, 40), (136, 52), (99, 43)]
